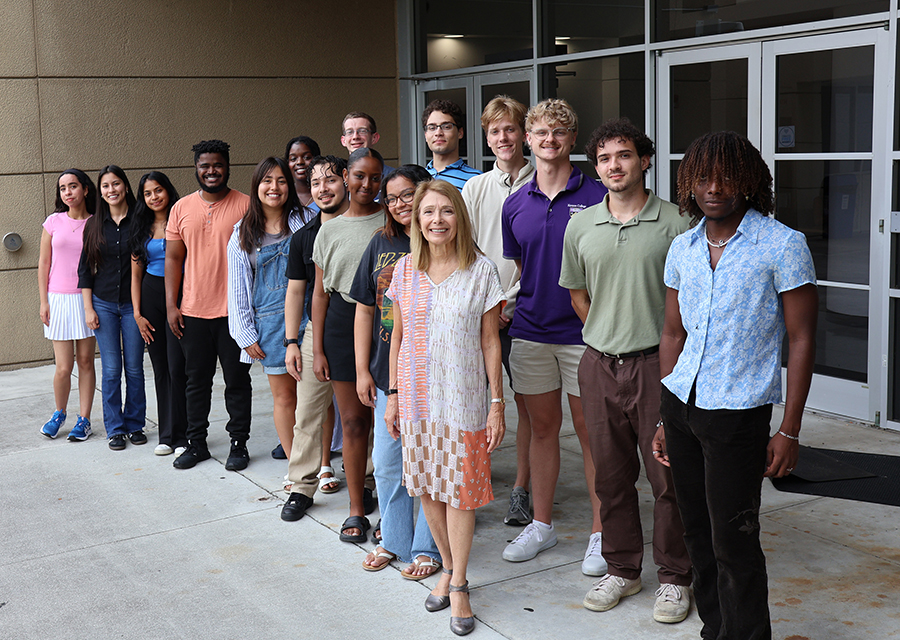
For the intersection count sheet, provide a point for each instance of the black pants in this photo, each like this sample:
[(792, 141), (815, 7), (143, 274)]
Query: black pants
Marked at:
[(718, 459), (168, 364), (202, 341)]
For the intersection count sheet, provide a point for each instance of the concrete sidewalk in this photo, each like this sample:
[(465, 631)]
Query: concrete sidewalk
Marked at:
[(102, 544)]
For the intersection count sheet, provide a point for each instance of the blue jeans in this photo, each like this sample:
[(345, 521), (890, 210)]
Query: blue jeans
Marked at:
[(401, 533), (120, 343)]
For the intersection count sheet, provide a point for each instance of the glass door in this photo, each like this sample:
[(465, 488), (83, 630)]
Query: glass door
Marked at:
[(715, 89), (471, 93), (821, 139)]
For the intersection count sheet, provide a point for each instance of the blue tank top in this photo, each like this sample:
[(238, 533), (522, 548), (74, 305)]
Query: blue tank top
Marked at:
[(156, 257)]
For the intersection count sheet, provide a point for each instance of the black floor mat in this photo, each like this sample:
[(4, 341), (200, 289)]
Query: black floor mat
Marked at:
[(866, 477)]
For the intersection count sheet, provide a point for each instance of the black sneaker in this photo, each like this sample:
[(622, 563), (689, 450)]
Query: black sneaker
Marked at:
[(117, 442), (194, 453), (238, 458), (278, 453), (137, 437), (295, 507)]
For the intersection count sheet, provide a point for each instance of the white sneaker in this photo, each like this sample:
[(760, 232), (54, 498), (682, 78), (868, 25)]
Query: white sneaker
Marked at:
[(179, 451), (529, 543), (594, 564), (162, 450), (672, 603), (608, 590)]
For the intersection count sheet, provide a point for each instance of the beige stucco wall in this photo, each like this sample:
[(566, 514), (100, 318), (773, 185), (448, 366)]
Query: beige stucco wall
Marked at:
[(84, 84)]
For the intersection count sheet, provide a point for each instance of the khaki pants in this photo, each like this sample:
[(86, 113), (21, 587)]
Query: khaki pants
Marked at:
[(313, 400)]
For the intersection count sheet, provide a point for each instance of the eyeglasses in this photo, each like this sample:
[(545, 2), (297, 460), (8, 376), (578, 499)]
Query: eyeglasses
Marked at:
[(444, 126), (406, 198), (360, 132), (558, 133)]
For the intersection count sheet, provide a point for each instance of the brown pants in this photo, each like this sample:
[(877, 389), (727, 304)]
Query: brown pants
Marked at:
[(620, 398)]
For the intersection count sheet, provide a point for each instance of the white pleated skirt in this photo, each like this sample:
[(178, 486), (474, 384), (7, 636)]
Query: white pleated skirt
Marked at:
[(66, 318)]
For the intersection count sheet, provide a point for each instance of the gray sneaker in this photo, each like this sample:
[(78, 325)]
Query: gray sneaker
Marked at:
[(529, 543), (672, 603), (608, 590), (594, 564), (518, 514)]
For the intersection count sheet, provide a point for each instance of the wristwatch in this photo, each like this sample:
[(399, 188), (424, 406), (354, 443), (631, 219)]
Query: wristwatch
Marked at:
[(288, 341)]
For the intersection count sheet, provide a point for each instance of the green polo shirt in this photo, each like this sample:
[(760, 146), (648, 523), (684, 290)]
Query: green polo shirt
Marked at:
[(621, 267)]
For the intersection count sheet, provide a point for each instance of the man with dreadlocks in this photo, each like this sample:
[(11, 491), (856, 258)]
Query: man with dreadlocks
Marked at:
[(736, 283)]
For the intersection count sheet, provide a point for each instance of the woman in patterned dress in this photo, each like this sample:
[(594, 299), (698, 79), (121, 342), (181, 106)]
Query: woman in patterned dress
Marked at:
[(444, 340)]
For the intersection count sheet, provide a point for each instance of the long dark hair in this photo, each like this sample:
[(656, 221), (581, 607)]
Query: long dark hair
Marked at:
[(253, 225), (415, 174), (93, 229), (90, 191), (144, 216)]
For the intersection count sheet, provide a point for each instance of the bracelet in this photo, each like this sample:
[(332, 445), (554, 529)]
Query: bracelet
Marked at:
[(498, 401), (391, 392), (794, 438)]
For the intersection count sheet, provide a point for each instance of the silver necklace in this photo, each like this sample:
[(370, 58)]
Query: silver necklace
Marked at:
[(718, 244)]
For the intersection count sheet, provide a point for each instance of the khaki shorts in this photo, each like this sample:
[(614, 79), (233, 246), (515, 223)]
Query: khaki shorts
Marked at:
[(541, 368)]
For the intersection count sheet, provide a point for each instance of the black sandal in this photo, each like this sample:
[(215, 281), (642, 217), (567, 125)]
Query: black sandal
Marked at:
[(376, 533), (355, 522)]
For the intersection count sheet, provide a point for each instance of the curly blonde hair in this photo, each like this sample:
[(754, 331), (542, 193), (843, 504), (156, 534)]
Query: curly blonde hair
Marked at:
[(556, 111)]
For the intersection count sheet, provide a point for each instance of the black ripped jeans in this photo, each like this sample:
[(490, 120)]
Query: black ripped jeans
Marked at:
[(718, 458)]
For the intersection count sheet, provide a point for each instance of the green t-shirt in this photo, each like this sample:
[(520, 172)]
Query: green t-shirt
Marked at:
[(621, 267), (339, 248)]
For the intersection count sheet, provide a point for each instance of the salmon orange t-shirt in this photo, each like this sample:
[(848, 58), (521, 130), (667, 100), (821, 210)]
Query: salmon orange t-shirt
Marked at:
[(205, 228)]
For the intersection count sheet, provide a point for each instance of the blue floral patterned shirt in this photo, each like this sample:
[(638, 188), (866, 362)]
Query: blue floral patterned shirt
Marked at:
[(733, 316)]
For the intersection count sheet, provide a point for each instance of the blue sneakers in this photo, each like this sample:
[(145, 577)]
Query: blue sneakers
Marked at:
[(52, 426), (81, 431)]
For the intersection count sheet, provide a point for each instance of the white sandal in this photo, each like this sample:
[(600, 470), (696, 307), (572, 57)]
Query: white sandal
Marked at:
[(325, 481), (287, 485)]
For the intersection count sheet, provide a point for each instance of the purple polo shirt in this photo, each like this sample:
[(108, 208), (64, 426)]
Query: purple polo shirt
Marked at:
[(533, 231)]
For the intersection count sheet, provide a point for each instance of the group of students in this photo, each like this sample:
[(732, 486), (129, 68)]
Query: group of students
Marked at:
[(400, 294)]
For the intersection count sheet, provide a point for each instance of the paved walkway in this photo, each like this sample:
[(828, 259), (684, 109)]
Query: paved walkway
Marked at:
[(101, 544)]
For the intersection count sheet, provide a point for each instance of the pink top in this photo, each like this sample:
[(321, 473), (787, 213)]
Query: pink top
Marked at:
[(66, 240)]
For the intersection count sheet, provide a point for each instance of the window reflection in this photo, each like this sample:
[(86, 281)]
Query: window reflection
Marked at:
[(707, 96), (825, 101), (572, 26), (675, 19), (494, 31), (830, 202), (598, 89), (841, 338)]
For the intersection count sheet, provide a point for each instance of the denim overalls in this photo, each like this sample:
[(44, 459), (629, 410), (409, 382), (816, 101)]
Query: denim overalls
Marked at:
[(269, 289)]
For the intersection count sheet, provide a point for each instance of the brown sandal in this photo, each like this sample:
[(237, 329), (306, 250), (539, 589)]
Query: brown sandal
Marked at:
[(384, 553)]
